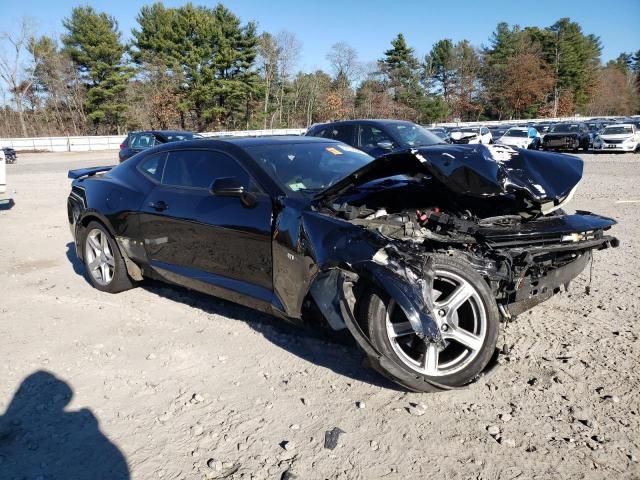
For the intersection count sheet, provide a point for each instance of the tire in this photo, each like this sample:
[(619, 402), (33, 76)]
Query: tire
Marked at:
[(111, 273), (375, 306)]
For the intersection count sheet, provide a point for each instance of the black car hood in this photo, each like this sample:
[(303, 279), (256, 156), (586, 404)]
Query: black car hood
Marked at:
[(475, 171)]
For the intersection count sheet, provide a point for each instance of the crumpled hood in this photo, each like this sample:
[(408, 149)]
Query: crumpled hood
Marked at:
[(482, 171)]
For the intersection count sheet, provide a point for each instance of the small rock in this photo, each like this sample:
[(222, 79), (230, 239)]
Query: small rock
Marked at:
[(587, 422), (197, 430), (508, 442), (295, 426), (151, 356), (196, 398), (331, 438), (598, 438), (214, 464), (373, 445), (417, 409), (287, 445), (360, 404), (288, 475), (505, 417), (493, 430)]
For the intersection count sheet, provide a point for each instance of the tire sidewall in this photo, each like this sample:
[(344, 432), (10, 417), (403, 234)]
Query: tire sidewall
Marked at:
[(120, 280), (379, 337)]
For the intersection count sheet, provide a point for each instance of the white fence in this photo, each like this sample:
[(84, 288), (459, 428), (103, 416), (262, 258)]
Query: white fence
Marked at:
[(64, 144), (112, 142)]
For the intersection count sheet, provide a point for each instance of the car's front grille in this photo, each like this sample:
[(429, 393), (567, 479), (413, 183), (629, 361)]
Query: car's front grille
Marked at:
[(614, 141)]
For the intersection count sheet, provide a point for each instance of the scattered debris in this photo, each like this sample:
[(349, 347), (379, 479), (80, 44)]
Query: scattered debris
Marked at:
[(417, 409), (331, 437)]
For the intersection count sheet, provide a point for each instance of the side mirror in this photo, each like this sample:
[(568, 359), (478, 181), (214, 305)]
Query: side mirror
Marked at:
[(386, 145), (231, 187), (226, 187)]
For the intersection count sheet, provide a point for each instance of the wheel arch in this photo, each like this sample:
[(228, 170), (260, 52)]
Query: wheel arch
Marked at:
[(133, 269)]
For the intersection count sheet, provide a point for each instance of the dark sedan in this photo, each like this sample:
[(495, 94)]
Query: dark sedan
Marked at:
[(136, 142), (567, 136), (377, 137), (418, 253), (10, 155)]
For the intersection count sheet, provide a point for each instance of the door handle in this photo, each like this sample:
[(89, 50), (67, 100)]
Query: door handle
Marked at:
[(159, 205)]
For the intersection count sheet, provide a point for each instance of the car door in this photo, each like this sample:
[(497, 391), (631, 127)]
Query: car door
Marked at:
[(216, 243), (374, 141)]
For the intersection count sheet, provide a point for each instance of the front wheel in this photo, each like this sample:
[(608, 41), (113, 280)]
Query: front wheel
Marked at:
[(468, 318), (105, 267)]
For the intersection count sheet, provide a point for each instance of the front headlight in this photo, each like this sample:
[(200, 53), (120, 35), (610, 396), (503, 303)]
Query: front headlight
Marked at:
[(629, 140)]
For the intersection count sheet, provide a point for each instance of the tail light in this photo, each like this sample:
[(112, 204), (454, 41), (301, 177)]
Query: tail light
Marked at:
[(122, 145)]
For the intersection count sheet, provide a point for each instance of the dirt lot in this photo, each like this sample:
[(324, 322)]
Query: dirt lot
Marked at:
[(161, 383)]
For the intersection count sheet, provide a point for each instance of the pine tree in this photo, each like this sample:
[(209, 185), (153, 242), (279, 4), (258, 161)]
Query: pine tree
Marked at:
[(93, 44), (212, 54)]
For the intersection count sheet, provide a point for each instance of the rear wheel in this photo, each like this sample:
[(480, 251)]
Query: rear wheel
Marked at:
[(468, 319), (105, 267)]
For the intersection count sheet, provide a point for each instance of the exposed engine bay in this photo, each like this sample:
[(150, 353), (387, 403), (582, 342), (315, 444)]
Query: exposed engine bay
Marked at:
[(524, 245)]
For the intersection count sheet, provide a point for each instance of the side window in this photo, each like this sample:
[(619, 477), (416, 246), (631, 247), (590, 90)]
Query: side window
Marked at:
[(199, 168), (153, 165), (370, 137), (323, 132), (484, 131), (343, 133), (143, 140)]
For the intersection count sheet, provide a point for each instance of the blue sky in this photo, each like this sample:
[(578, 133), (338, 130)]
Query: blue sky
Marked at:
[(369, 25)]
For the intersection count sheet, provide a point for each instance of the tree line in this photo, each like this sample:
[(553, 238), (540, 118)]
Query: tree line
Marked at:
[(201, 68)]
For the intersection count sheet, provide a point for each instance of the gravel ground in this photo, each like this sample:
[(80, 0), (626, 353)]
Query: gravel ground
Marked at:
[(158, 382)]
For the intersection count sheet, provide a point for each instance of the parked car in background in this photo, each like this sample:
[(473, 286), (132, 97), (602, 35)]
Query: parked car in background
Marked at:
[(595, 128), (521, 137), (136, 142), (542, 128), (622, 137), (376, 137), (10, 155), (3, 172), (498, 131), (441, 133), (465, 135), (567, 136)]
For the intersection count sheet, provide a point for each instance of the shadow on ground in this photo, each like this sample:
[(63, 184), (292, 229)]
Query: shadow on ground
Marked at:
[(40, 439), (336, 351)]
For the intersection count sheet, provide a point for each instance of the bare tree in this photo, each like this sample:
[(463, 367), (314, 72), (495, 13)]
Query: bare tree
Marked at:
[(267, 59), (289, 50), (12, 71), (344, 62)]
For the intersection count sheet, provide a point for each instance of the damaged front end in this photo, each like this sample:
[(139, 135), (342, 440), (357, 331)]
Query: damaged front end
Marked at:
[(496, 210)]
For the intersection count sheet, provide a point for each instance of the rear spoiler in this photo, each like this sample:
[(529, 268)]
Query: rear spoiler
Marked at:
[(87, 172)]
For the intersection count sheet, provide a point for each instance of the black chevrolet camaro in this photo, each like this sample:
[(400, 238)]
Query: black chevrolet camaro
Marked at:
[(418, 253)]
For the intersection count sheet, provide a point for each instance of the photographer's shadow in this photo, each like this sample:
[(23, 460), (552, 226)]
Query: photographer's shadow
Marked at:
[(39, 439)]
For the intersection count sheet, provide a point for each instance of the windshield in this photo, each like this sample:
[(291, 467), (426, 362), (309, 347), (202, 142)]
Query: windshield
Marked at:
[(565, 127), (308, 167), (411, 135), (617, 130), (516, 133), (470, 130)]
